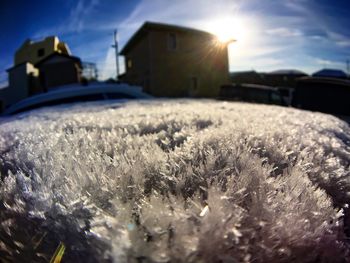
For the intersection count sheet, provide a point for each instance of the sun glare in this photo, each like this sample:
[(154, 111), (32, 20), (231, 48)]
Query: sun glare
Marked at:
[(227, 29)]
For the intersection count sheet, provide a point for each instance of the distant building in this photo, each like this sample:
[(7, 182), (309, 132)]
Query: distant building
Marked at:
[(38, 67), (246, 77), (283, 78), (331, 73), (278, 78), (174, 61)]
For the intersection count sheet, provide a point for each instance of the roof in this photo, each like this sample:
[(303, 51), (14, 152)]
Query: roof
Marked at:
[(332, 73), (76, 59), (287, 72), (324, 80), (149, 26)]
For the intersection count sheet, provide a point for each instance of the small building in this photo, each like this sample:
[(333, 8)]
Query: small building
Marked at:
[(175, 61)]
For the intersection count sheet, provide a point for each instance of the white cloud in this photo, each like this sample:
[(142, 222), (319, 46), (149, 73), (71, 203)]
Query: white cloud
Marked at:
[(79, 14), (339, 39), (76, 21), (284, 32), (329, 63)]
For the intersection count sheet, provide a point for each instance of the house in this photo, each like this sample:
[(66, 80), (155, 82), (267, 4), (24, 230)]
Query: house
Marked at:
[(38, 67), (175, 61), (331, 73)]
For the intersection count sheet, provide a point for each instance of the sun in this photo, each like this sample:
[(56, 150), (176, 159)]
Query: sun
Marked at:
[(227, 29)]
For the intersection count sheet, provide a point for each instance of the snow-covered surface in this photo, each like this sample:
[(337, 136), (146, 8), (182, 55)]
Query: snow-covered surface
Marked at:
[(174, 181)]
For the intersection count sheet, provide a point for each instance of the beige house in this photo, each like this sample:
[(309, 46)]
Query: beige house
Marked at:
[(174, 61)]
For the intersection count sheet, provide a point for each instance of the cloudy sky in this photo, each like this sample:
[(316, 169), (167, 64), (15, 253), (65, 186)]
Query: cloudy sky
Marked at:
[(271, 34)]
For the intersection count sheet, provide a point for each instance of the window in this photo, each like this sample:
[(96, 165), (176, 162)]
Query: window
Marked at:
[(41, 52), (172, 41), (129, 63)]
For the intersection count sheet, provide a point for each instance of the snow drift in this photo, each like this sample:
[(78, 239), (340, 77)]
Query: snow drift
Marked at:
[(174, 181)]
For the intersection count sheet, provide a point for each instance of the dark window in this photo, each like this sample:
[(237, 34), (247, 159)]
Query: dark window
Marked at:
[(41, 52), (172, 41)]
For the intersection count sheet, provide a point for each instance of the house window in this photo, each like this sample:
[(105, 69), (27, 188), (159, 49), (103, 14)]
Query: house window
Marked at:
[(172, 41), (129, 63), (41, 52)]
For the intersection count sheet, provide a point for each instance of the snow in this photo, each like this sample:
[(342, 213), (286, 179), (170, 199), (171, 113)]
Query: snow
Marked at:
[(174, 181)]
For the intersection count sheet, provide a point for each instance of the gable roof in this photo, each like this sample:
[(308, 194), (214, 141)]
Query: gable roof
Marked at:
[(55, 54), (148, 26)]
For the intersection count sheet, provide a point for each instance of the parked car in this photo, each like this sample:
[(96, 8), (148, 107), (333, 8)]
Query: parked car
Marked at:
[(77, 93)]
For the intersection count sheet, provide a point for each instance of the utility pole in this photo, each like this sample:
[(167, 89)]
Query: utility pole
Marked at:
[(348, 66), (115, 46)]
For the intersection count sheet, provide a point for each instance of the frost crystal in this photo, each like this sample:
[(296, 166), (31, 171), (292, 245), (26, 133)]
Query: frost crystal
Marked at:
[(174, 181)]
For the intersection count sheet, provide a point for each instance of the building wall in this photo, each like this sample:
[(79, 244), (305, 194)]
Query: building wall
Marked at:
[(197, 67), (138, 72), (197, 58), (34, 52), (57, 73)]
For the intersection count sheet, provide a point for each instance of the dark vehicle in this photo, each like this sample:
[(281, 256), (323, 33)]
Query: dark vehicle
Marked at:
[(323, 94), (251, 93), (74, 93)]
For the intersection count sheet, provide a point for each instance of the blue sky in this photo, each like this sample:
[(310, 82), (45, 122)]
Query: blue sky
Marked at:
[(272, 34)]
